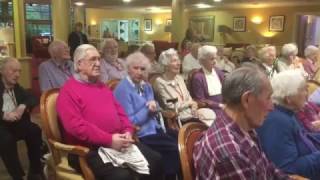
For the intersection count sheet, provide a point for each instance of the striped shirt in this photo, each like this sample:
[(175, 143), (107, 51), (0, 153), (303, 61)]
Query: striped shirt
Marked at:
[(226, 152)]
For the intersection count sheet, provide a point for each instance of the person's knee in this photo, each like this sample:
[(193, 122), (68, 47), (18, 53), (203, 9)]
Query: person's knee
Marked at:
[(7, 141)]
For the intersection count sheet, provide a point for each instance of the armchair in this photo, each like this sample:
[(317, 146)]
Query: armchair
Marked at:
[(58, 161)]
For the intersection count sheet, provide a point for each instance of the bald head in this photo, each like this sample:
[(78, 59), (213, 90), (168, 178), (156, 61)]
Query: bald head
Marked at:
[(10, 71)]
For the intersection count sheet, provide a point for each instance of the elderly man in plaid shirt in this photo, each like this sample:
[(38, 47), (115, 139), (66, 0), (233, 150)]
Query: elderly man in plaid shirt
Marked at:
[(230, 148)]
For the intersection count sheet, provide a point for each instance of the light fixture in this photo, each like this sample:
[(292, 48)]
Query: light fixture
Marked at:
[(202, 5), (217, 0), (126, 1), (256, 19), (159, 22), (93, 22), (79, 3)]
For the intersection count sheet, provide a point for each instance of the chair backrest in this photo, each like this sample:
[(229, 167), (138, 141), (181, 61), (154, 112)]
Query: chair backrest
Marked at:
[(49, 118), (312, 86), (188, 135), (112, 84)]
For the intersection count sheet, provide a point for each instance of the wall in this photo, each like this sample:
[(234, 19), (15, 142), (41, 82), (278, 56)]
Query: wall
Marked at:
[(256, 33), (95, 16)]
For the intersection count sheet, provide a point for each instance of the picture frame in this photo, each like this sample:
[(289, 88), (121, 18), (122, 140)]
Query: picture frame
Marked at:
[(203, 26), (276, 23), (239, 24), (148, 25), (168, 22)]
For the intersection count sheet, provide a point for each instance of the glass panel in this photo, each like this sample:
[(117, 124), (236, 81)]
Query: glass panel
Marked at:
[(38, 12)]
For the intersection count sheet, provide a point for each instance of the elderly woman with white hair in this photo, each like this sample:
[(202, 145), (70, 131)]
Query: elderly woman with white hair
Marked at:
[(206, 83), (284, 140), (310, 62), (172, 86), (91, 116), (55, 71), (148, 50), (268, 57), (137, 98), (289, 58), (112, 67)]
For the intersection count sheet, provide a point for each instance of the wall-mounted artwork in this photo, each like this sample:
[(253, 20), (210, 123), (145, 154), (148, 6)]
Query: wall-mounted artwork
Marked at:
[(122, 29), (239, 24), (148, 25), (203, 27), (276, 23)]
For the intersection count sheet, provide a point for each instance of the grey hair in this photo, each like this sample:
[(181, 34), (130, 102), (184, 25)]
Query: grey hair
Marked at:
[(240, 81), (146, 45), (5, 60), (289, 49), (166, 56), (205, 51), (286, 83), (138, 58), (310, 51), (80, 53), (55, 46), (264, 52), (105, 42)]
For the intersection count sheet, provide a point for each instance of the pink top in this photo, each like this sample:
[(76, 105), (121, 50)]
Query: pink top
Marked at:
[(90, 114)]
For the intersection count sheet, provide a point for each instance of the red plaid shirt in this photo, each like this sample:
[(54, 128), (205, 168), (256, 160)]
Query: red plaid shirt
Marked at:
[(225, 152)]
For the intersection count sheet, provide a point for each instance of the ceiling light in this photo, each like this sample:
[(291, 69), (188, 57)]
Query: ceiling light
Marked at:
[(79, 3), (126, 1), (202, 5), (217, 0), (256, 19)]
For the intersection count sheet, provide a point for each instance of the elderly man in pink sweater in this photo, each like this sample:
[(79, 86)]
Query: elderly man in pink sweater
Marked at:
[(91, 116)]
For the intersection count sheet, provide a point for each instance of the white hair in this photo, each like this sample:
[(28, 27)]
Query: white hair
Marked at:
[(205, 51), (137, 58), (55, 46), (310, 51), (105, 42), (80, 53), (167, 55), (5, 61), (264, 52), (286, 83), (289, 49)]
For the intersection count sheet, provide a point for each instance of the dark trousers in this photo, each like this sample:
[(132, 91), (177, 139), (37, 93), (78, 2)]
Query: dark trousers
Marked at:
[(167, 145), (10, 133), (107, 171)]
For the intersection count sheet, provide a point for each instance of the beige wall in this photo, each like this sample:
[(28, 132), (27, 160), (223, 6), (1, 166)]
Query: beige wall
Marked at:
[(94, 15), (255, 33)]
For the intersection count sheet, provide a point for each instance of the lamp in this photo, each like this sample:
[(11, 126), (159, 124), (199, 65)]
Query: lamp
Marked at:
[(256, 19)]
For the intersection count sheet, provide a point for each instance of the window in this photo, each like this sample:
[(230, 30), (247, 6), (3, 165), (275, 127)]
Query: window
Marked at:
[(6, 18)]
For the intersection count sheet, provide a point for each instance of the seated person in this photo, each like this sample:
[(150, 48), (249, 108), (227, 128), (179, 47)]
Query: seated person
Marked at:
[(284, 140), (250, 55), (230, 148), (90, 116), (190, 61), (16, 104), (148, 50), (206, 83), (289, 58), (112, 67), (136, 97), (310, 62), (55, 71), (269, 61), (223, 63), (171, 86), (309, 116)]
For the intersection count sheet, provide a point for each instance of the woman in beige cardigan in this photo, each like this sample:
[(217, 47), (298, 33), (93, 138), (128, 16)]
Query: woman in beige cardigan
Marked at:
[(171, 85)]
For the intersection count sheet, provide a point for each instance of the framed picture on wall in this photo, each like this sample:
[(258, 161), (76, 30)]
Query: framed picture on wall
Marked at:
[(276, 23), (148, 25), (203, 26), (239, 24)]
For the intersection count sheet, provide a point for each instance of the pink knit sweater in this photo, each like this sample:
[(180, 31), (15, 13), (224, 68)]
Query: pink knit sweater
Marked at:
[(90, 114)]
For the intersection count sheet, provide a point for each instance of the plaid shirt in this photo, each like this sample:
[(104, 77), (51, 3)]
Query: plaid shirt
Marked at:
[(225, 152)]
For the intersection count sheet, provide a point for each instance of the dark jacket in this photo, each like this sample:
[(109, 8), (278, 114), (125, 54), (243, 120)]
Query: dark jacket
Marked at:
[(74, 41)]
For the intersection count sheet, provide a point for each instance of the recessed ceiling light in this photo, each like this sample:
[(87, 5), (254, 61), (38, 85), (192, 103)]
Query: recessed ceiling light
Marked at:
[(217, 0), (202, 5), (126, 1), (79, 3)]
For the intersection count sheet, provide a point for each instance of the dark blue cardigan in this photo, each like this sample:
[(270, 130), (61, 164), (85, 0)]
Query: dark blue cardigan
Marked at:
[(284, 145)]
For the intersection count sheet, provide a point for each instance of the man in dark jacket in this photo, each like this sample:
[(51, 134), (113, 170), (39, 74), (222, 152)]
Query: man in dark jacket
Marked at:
[(77, 38), (15, 123)]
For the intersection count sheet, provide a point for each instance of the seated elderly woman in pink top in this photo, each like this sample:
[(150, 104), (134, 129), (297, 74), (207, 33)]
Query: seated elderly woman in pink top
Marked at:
[(90, 116), (206, 83)]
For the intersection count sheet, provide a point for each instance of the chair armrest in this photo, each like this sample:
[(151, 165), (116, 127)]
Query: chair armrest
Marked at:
[(77, 150), (297, 177), (202, 104), (170, 117)]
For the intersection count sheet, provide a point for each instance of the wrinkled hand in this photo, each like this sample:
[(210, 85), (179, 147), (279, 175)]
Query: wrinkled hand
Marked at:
[(152, 106), (316, 124), (120, 142), (20, 110), (193, 105), (11, 116)]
